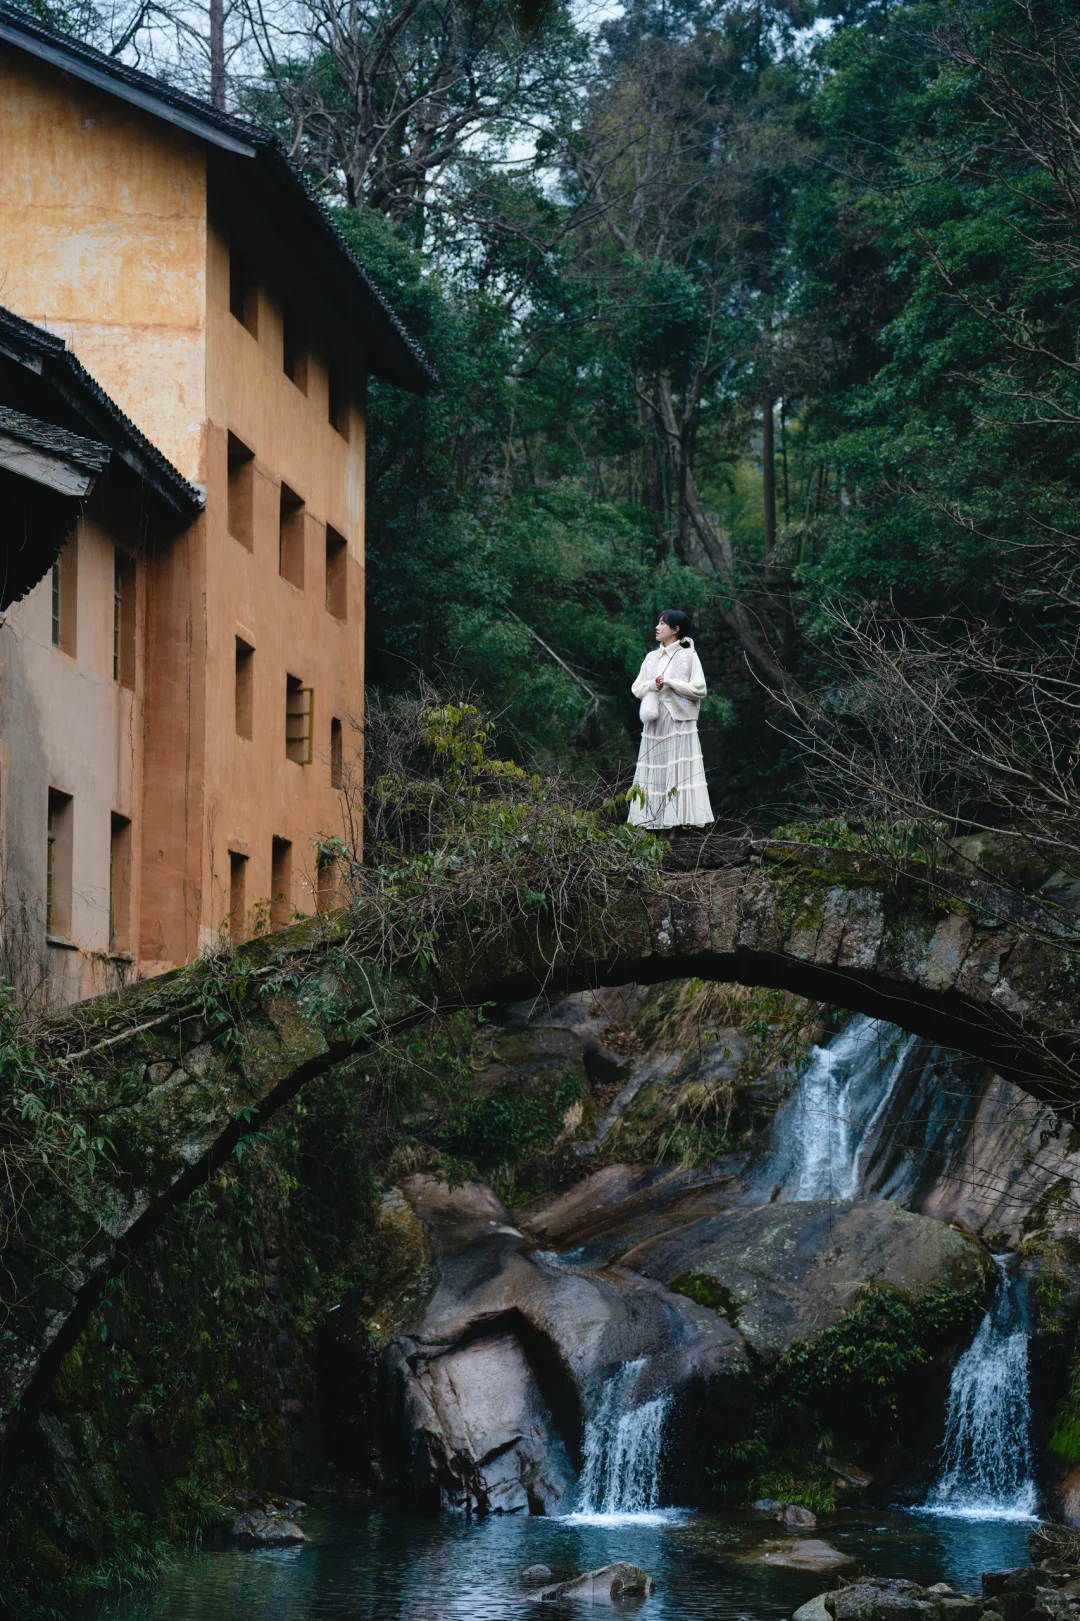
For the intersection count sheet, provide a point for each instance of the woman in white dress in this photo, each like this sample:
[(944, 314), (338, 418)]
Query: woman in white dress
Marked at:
[(670, 772)]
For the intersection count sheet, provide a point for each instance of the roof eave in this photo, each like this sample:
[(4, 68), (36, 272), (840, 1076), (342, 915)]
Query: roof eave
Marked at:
[(397, 359)]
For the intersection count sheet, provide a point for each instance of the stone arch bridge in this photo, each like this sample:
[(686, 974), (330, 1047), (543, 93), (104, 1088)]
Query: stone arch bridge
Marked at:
[(185, 1066)]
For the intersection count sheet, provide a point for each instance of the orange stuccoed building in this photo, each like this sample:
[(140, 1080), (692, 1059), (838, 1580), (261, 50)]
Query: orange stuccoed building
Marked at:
[(182, 690)]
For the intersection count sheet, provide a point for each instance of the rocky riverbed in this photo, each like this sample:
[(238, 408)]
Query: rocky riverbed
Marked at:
[(712, 1277), (723, 1274), (1046, 1589)]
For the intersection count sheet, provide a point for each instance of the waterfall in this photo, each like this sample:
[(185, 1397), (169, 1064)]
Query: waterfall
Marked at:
[(621, 1449), (823, 1134), (986, 1461)]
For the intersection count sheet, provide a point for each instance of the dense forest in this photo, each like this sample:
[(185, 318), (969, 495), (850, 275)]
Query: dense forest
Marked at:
[(765, 310)]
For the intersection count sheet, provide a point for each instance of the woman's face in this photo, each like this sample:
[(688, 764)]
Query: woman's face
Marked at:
[(664, 632)]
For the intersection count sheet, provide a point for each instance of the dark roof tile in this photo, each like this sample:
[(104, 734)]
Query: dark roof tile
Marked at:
[(85, 453), (46, 353)]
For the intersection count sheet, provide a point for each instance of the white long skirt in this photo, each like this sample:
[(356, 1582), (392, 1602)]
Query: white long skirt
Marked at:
[(671, 774)]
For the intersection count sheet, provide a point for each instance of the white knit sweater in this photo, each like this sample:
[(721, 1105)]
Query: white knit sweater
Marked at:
[(684, 679)]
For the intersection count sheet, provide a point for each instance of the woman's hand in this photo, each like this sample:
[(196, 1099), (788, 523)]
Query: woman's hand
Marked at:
[(659, 681)]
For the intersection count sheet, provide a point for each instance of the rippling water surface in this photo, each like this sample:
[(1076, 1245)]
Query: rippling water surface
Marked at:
[(382, 1566)]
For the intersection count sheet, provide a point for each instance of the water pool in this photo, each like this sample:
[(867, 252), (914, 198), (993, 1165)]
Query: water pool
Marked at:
[(387, 1566)]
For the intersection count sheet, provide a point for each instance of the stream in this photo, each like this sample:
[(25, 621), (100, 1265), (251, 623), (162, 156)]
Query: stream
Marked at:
[(371, 1565), (393, 1567)]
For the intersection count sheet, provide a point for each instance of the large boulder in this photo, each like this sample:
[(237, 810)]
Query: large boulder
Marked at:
[(493, 1379), (783, 1272), (880, 1599), (619, 1580)]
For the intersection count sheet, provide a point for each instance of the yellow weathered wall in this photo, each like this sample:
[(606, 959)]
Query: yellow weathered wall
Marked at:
[(254, 792), (103, 241), (107, 238)]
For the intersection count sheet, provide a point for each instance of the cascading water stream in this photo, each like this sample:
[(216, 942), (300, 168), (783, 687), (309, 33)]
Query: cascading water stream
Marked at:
[(824, 1147), (621, 1450), (823, 1133), (986, 1462)]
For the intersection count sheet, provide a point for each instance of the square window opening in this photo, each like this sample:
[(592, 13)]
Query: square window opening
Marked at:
[(58, 862), (291, 538), (338, 403), (337, 574), (65, 597), (336, 766), (123, 618), (294, 349), (245, 688), (299, 720), (241, 499), (237, 897), (281, 883), (120, 884), (243, 292)]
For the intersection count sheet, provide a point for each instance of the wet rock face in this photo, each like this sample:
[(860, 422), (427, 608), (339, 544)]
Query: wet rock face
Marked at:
[(490, 1438), (492, 1381), (790, 1270), (493, 1378)]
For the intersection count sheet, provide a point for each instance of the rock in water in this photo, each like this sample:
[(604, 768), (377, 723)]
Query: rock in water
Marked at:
[(880, 1599), (767, 1505), (264, 1528), (535, 1573), (805, 1554), (813, 1610), (620, 1580), (795, 1516)]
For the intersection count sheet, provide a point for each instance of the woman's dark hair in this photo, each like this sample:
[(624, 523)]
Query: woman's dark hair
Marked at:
[(679, 622)]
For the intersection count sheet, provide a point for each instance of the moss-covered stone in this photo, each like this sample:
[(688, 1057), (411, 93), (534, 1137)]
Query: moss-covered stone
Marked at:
[(707, 1291)]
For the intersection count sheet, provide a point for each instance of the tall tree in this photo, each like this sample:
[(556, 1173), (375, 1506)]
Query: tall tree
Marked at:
[(378, 99), (682, 169)]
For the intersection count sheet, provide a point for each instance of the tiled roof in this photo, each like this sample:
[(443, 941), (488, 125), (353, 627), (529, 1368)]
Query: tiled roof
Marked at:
[(85, 453), (408, 366), (30, 344)]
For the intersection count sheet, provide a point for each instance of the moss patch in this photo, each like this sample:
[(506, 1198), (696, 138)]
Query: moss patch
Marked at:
[(706, 1291)]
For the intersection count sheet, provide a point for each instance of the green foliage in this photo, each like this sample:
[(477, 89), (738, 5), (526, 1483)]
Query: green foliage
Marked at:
[(496, 1134), (135, 1555), (194, 1512), (43, 1121), (465, 559), (453, 832), (815, 1490), (756, 1467), (860, 1380), (1064, 1440), (707, 1291), (862, 1362), (943, 254)]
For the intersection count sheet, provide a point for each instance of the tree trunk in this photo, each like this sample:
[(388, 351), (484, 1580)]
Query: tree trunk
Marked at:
[(217, 54), (768, 471)]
